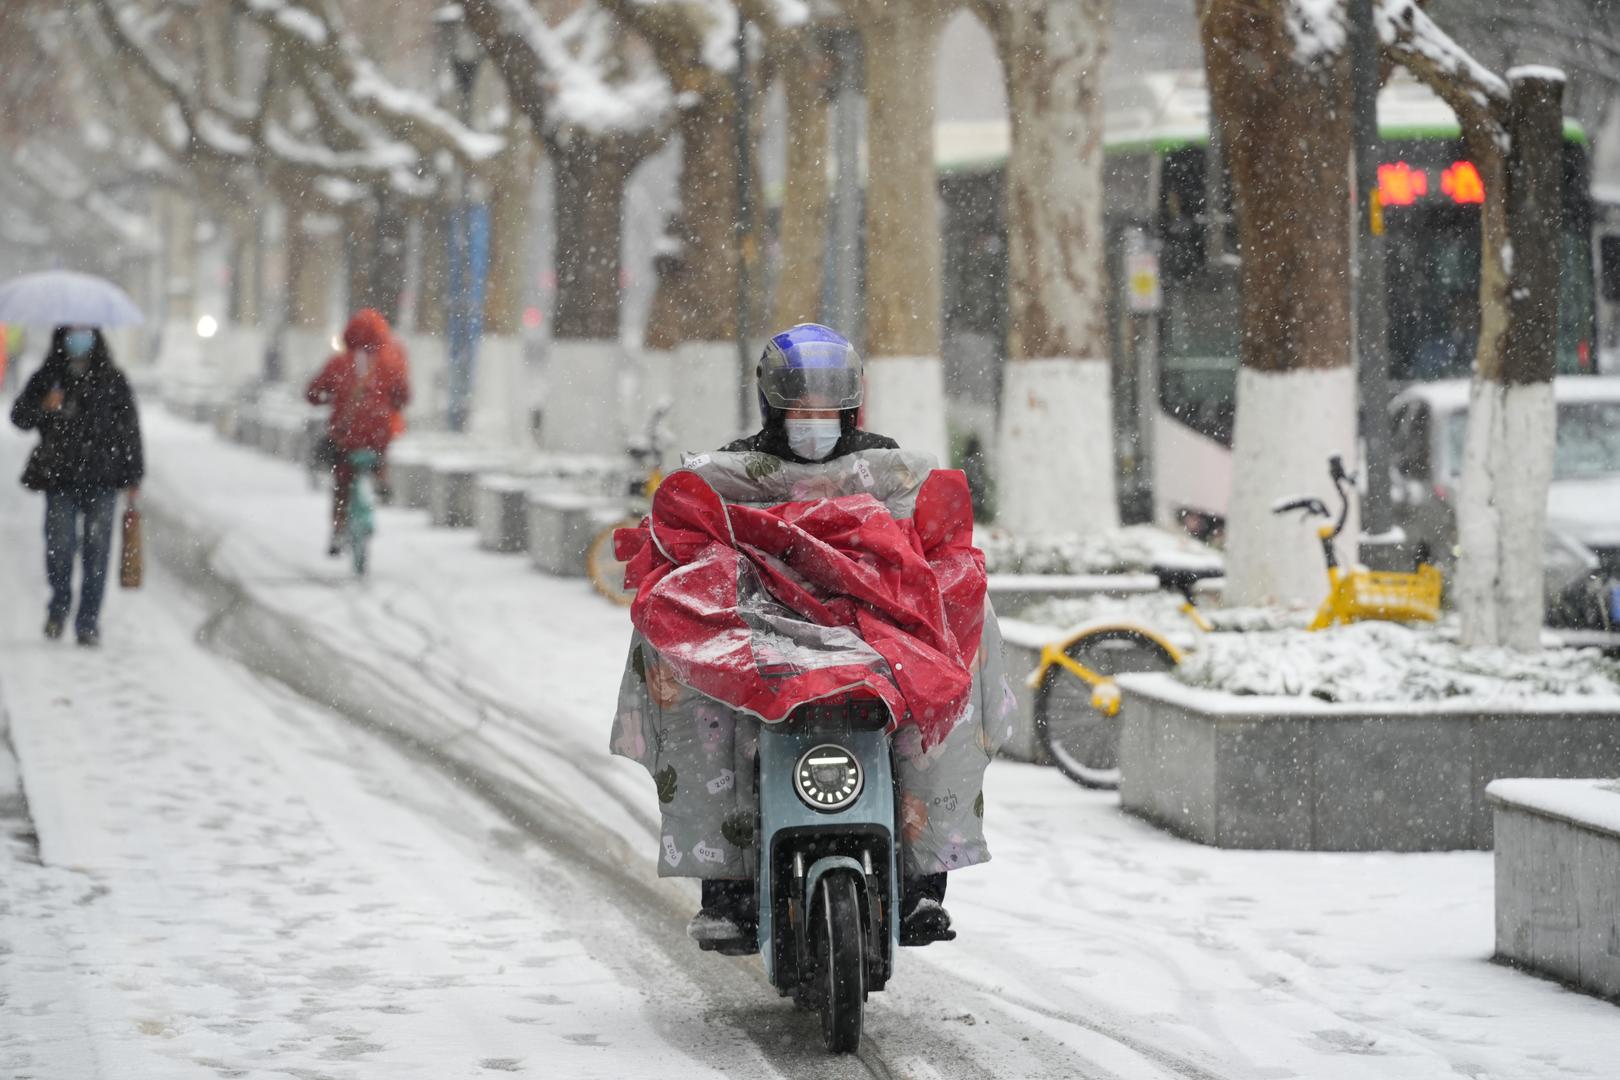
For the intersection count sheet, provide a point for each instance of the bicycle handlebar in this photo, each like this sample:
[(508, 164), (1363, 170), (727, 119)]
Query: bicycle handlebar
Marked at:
[(1340, 480)]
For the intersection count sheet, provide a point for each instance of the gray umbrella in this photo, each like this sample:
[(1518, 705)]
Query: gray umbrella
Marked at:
[(66, 298)]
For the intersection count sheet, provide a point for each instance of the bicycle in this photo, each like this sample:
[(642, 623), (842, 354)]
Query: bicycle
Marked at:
[(1357, 594), (1077, 701), (604, 568), (360, 518)]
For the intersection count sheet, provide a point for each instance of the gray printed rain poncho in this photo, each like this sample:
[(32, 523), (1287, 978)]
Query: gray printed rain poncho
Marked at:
[(700, 752)]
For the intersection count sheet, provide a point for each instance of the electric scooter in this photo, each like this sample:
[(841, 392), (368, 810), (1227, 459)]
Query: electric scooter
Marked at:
[(827, 866)]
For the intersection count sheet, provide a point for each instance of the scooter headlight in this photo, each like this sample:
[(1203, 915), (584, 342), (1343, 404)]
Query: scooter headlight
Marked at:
[(828, 778)]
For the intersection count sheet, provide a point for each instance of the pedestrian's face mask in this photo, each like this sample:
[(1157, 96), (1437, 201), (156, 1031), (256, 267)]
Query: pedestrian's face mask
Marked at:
[(78, 343), (813, 440)]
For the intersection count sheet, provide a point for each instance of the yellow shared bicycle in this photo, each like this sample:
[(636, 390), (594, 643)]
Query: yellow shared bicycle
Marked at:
[(1076, 703)]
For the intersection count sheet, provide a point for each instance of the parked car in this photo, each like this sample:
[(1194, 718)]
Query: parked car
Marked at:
[(1583, 504)]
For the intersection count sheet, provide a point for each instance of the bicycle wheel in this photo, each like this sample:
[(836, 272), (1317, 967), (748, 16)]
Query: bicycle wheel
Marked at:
[(604, 568), (1083, 741), (360, 524)]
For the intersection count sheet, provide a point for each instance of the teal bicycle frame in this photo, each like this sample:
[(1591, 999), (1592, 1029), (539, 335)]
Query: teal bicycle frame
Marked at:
[(361, 522)]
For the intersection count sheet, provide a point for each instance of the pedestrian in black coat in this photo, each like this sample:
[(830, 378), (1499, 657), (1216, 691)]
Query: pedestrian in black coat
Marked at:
[(90, 448)]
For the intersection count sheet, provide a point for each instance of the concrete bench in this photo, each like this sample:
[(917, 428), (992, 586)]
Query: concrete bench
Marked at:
[(1300, 774), (562, 524), (410, 463), (503, 513), (1558, 879)]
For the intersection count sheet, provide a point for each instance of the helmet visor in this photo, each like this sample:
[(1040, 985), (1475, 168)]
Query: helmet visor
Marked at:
[(819, 377)]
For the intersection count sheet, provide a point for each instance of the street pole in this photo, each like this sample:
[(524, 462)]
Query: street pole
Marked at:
[(1369, 292), (844, 267), (744, 230)]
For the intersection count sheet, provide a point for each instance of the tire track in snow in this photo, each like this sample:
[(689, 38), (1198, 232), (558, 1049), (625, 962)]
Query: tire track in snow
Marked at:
[(281, 647)]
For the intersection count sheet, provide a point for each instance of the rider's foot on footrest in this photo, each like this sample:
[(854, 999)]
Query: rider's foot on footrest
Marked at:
[(335, 548), (926, 923), (715, 931)]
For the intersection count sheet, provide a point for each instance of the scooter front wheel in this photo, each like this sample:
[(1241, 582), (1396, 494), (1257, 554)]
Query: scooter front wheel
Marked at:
[(840, 962)]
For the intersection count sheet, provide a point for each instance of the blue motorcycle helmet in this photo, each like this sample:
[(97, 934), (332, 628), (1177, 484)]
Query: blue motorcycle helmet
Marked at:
[(810, 366)]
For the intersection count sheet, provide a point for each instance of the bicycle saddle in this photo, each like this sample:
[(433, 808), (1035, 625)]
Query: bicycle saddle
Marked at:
[(1182, 579)]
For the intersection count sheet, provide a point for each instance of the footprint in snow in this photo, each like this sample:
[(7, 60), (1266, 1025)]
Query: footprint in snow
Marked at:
[(502, 1064)]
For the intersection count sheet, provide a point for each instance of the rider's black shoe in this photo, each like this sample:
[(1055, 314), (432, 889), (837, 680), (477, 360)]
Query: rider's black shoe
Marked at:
[(718, 931), (727, 923), (926, 923), (335, 548)]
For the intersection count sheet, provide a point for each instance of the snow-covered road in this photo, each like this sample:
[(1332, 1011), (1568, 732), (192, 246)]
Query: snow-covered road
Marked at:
[(438, 871)]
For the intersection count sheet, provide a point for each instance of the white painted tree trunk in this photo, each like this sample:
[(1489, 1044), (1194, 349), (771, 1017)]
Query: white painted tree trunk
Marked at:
[(905, 377), (1502, 513), (579, 405), (703, 390), (1056, 462), (1056, 465), (905, 400), (501, 395), (1288, 425)]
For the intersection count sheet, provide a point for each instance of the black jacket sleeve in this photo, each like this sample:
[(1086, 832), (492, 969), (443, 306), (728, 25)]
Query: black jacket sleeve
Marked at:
[(132, 457), (28, 412)]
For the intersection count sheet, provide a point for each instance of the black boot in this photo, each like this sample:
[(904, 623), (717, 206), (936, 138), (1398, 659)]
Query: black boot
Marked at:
[(925, 920), (727, 922)]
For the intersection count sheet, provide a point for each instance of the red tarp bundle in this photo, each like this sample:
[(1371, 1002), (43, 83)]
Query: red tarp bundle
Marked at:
[(768, 609)]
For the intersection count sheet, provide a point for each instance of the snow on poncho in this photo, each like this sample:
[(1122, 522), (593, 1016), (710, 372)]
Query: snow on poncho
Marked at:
[(768, 608)]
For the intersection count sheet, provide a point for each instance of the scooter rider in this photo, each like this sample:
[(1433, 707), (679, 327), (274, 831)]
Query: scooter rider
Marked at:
[(810, 392)]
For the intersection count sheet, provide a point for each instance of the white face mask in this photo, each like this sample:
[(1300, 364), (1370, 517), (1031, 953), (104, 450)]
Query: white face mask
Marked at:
[(813, 440)]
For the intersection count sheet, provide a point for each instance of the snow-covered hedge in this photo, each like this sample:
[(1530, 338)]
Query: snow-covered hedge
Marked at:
[(1132, 548), (1379, 661)]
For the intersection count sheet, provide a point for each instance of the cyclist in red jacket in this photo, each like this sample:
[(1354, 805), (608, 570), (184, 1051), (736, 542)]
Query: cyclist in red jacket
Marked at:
[(368, 387)]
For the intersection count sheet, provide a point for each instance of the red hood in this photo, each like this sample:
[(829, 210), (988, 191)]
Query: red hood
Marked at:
[(367, 330)]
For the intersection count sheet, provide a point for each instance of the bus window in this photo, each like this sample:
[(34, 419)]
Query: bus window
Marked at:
[(1198, 326), (1431, 267)]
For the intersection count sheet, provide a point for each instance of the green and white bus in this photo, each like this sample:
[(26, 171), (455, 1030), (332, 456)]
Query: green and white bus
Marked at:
[(1175, 354)]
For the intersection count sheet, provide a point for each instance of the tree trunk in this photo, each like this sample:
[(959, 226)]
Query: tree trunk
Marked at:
[(390, 249), (1284, 123), (247, 271), (1508, 454), (579, 409), (905, 379), (1056, 422), (359, 251), (589, 178), (310, 258), (433, 271), (696, 298), (694, 310), (805, 80), (511, 182)]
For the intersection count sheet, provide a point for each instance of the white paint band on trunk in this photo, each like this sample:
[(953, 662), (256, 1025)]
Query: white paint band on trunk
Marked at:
[(1502, 513), (706, 378), (905, 400), (580, 406), (1288, 425), (1056, 461), (501, 394)]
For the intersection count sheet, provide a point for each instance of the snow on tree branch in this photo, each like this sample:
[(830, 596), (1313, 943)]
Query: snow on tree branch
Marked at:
[(1318, 29), (1474, 92), (322, 44), (574, 75)]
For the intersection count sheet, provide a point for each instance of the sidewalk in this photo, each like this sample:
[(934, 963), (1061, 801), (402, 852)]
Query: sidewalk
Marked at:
[(235, 883), (1143, 954)]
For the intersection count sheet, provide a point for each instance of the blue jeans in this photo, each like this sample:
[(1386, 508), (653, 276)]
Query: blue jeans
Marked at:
[(64, 536)]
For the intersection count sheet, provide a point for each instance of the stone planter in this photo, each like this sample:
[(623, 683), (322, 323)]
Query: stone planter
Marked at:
[(1298, 774), (562, 525), (503, 513), (1558, 879)]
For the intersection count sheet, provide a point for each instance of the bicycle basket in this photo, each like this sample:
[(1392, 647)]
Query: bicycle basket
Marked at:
[(1397, 596)]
